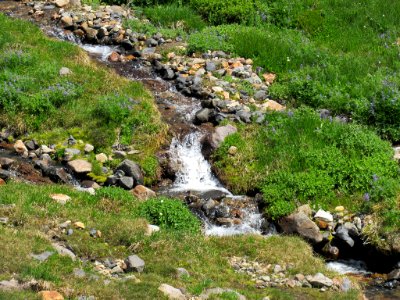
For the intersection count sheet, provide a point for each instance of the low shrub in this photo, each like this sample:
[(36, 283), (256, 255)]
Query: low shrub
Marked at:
[(169, 213)]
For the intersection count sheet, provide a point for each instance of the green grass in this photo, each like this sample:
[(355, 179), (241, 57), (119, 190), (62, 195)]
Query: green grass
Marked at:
[(300, 158), (113, 212), (93, 103)]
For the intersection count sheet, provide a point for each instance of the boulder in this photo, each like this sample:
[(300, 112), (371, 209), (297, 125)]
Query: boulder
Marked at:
[(143, 193), (170, 292), (125, 182), (220, 133), (343, 233), (395, 274), (300, 224), (5, 162), (134, 263), (203, 115), (80, 166), (131, 169)]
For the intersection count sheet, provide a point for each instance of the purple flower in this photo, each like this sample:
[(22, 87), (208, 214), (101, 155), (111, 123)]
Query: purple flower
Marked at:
[(375, 177), (366, 197)]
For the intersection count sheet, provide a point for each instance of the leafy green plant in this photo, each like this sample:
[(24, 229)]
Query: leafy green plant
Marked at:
[(169, 213)]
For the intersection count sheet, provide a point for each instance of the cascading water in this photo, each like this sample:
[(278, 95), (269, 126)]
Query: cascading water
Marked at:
[(195, 175)]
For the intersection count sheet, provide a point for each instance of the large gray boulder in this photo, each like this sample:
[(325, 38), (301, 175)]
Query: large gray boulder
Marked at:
[(299, 223), (131, 169)]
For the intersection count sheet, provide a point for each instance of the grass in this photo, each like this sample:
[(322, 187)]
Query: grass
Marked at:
[(301, 158), (35, 219), (93, 103)]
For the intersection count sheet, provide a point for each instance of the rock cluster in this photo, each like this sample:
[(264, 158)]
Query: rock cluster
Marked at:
[(268, 275)]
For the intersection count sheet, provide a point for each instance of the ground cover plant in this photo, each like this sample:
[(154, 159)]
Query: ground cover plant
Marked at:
[(303, 157), (35, 218)]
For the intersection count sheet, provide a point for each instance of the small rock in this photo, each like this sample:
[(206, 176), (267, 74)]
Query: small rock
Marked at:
[(151, 229), (171, 292), (93, 232), (64, 71), (135, 263), (339, 208), (42, 256), (131, 169), (70, 231), (79, 225), (9, 285), (50, 295), (61, 3), (79, 273), (2, 182), (101, 157), (182, 272), (46, 150), (6, 163), (232, 150), (3, 220), (89, 148), (20, 147), (143, 193), (125, 182), (60, 198), (319, 280), (324, 216), (113, 57), (395, 274), (61, 250)]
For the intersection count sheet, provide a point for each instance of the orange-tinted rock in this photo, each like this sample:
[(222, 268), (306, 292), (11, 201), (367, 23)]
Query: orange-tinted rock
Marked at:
[(143, 193), (50, 295)]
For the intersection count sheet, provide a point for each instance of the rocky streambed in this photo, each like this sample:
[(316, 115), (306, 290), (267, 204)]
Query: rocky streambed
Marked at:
[(194, 95)]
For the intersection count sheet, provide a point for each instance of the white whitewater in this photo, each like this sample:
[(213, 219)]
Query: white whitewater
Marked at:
[(194, 170), (100, 50), (195, 175), (350, 266)]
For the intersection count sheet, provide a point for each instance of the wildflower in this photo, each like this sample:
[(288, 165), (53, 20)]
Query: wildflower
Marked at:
[(375, 177), (366, 197)]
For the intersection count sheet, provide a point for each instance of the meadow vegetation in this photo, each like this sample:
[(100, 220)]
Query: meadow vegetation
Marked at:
[(119, 216)]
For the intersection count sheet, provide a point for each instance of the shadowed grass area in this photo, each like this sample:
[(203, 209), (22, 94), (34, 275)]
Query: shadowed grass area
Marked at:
[(35, 219)]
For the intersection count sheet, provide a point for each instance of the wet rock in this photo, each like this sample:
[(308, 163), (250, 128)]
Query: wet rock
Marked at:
[(134, 263), (143, 193), (300, 224), (42, 256), (90, 184), (343, 233), (4, 174), (319, 280), (6, 163), (131, 169), (31, 145), (170, 292), (80, 166), (56, 174), (395, 274)]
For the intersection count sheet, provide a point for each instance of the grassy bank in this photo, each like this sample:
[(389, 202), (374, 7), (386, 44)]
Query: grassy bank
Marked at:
[(91, 103), (35, 219)]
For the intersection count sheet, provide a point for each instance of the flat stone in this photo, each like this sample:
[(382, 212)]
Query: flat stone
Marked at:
[(60, 198), (61, 3), (170, 292), (135, 263), (80, 166), (220, 133), (79, 225), (319, 280), (42, 256)]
